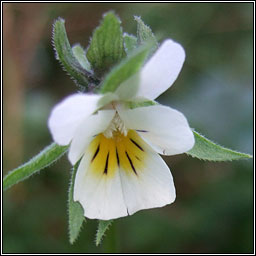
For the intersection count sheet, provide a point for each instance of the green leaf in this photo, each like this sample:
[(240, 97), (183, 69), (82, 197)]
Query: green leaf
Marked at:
[(102, 228), (130, 42), (128, 67), (107, 46), (79, 53), (64, 54), (75, 210), (145, 34), (207, 150), (46, 157)]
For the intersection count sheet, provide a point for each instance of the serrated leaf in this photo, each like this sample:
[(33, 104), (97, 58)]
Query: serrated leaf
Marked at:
[(205, 149), (107, 47), (65, 55), (102, 228), (145, 34), (75, 210), (46, 157), (128, 67), (80, 55), (130, 43)]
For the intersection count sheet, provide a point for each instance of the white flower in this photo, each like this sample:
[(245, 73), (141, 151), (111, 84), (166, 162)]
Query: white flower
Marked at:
[(120, 171)]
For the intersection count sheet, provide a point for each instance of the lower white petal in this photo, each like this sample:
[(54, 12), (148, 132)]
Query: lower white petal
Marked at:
[(120, 176), (147, 183), (164, 128)]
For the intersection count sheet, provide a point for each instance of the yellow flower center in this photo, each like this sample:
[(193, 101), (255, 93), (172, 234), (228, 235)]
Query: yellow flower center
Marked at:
[(118, 151)]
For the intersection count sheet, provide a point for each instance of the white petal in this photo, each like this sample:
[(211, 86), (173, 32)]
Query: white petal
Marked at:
[(164, 128), (101, 196), (151, 187), (68, 114), (161, 70), (120, 176), (89, 127)]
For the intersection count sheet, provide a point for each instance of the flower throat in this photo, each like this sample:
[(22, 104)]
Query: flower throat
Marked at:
[(115, 127)]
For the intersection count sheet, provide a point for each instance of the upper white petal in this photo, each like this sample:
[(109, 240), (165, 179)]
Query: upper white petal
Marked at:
[(68, 114), (100, 196), (89, 127), (161, 70), (167, 129)]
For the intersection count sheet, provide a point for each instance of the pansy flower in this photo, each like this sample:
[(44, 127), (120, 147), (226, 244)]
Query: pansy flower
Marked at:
[(120, 170)]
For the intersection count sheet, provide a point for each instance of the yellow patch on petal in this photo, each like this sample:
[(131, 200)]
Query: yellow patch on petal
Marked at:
[(108, 154)]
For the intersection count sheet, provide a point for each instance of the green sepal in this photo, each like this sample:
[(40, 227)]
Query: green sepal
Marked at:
[(75, 210), (82, 77), (130, 43), (80, 55), (139, 104), (106, 47), (103, 226), (145, 34), (124, 70)]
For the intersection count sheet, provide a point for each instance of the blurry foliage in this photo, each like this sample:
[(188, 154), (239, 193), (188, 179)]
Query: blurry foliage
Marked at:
[(213, 212)]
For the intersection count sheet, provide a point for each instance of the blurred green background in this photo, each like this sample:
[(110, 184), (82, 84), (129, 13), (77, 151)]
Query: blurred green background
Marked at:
[(213, 212)]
